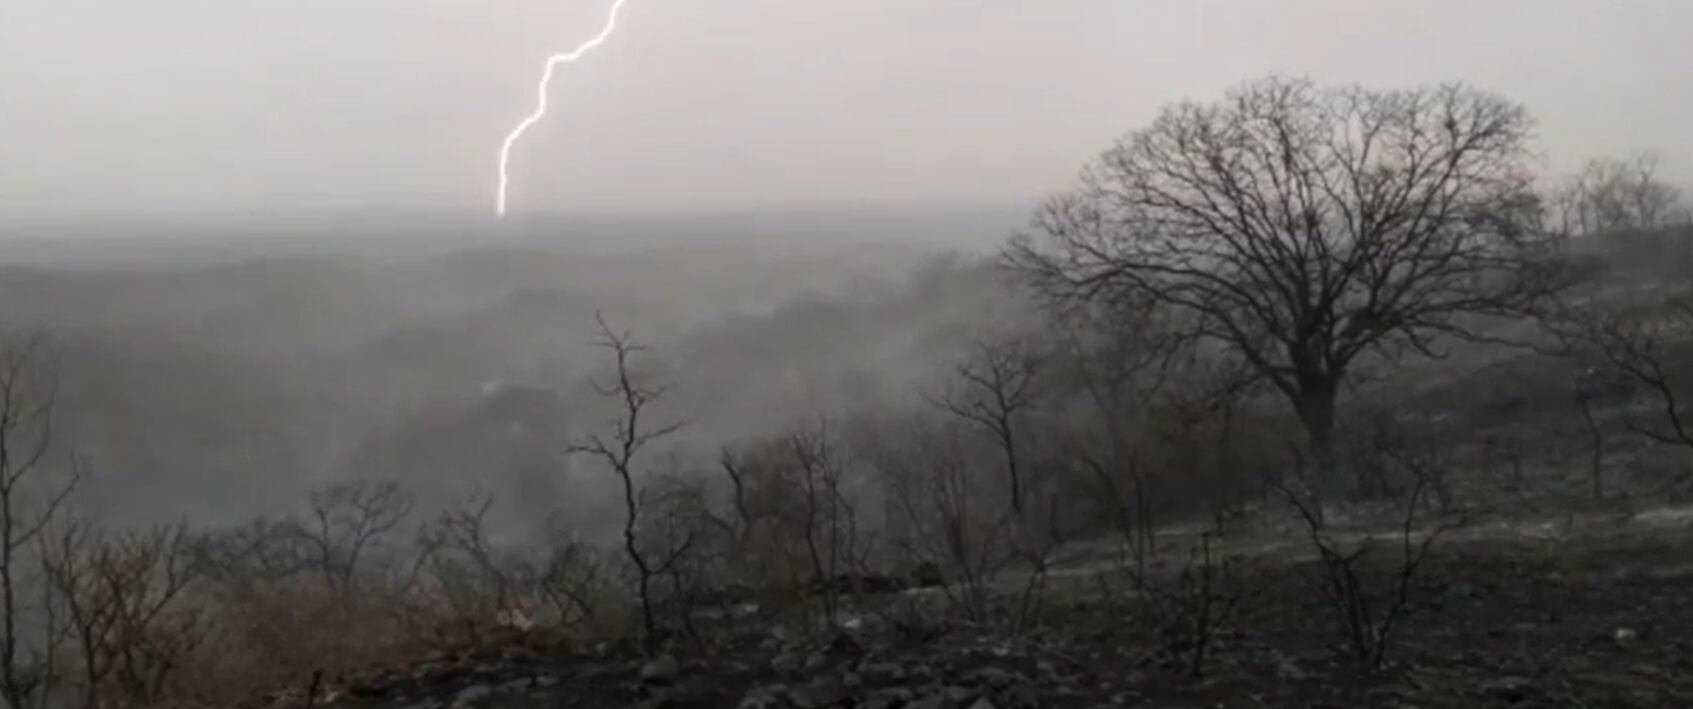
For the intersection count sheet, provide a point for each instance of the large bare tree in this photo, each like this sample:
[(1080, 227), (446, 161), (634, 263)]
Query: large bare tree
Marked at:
[(1304, 226)]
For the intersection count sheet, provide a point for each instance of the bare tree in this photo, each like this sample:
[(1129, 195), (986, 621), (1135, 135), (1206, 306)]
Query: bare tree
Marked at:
[(346, 519), (257, 554), (997, 392), (830, 519), (1642, 348), (477, 583), (681, 540), (1616, 194), (26, 437), (742, 528), (630, 435), (996, 389), (761, 492), (931, 475), (1584, 395), (1117, 358), (120, 592), (1303, 227), (793, 527), (69, 557)]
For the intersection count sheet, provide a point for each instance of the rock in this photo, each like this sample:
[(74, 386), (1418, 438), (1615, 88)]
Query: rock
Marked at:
[(1126, 698), (927, 574), (657, 701), (933, 701), (888, 698), (1507, 689), (937, 697), (816, 661), (819, 693), (766, 697), (516, 655), (662, 670), (881, 674), (845, 644), (1289, 670), (1022, 696), (785, 663), (1625, 636), (371, 690), (472, 694), (923, 673), (982, 703), (993, 677)]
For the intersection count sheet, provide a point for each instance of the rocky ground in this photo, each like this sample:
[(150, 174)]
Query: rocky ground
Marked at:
[(1596, 618)]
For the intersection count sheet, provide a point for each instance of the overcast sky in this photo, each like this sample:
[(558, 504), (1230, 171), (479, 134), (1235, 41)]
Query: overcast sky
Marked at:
[(125, 106)]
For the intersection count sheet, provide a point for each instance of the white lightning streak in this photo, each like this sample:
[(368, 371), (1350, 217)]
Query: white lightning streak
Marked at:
[(541, 106)]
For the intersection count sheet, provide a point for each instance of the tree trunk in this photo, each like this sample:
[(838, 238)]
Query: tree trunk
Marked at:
[(1315, 404)]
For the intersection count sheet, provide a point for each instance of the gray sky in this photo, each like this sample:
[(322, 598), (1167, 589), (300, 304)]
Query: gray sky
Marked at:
[(126, 106)]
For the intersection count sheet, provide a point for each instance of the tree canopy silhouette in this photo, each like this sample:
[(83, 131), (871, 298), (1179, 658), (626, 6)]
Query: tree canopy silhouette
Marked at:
[(1303, 226)]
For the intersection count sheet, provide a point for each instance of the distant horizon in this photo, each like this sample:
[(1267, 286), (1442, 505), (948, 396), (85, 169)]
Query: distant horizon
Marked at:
[(517, 218), (119, 241)]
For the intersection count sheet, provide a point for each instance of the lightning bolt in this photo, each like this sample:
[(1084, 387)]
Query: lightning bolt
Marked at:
[(553, 63)]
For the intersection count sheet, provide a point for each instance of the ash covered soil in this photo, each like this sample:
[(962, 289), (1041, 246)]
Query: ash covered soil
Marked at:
[(1558, 614)]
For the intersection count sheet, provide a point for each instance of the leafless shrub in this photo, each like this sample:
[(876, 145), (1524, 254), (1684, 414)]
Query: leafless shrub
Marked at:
[(1368, 608), (796, 527), (574, 576), (346, 520), (272, 616), (1628, 348), (1114, 359), (685, 542), (948, 518), (1389, 456), (474, 581), (1203, 440), (1640, 348), (996, 389), (1192, 609), (122, 598), (1178, 435), (767, 552), (259, 554)]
